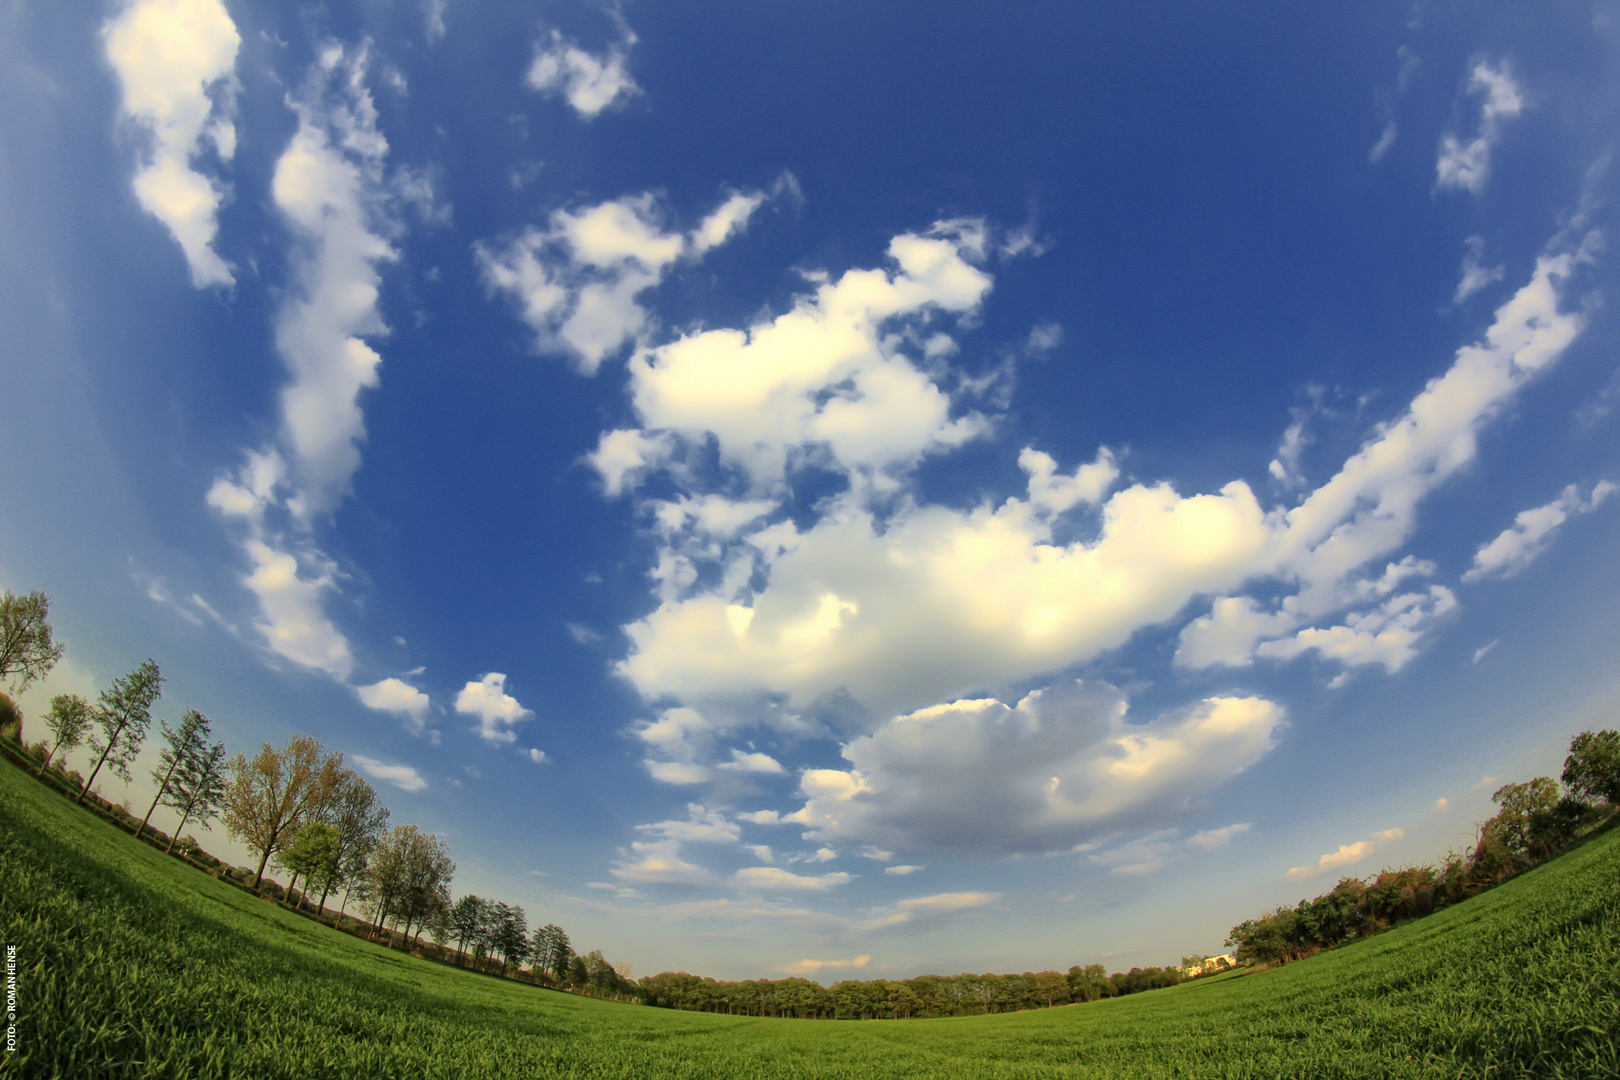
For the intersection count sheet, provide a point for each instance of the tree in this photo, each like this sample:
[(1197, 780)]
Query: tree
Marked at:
[(10, 720), (468, 919), (1592, 770), (269, 798), (509, 934), (408, 876), (557, 951), (359, 820), (197, 788), (313, 854), (123, 714), (1520, 803), (186, 743), (27, 651), (69, 720)]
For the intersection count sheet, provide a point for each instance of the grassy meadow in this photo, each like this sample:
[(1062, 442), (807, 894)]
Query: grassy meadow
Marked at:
[(132, 965)]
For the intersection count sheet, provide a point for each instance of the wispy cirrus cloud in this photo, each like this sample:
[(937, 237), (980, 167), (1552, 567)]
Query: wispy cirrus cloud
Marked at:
[(1465, 164)]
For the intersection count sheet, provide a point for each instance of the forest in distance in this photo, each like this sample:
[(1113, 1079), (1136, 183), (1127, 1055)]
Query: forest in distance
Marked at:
[(299, 809)]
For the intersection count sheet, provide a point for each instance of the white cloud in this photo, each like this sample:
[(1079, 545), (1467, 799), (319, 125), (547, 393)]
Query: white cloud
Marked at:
[(1386, 140), (401, 776), (751, 763), (1533, 531), (1061, 766), (330, 190), (927, 912), (1210, 839), (1475, 274), (904, 869), (1467, 164), (398, 697), (701, 824), (811, 968), (1347, 855), (823, 375), (175, 59), (677, 772), (776, 879), (1481, 652), (294, 622), (1388, 634), (536, 756), (433, 18), (497, 711), (1368, 509), (762, 817), (577, 281), (590, 82), (1139, 857), (658, 862)]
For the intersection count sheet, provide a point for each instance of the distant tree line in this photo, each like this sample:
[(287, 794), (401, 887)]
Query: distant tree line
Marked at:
[(1535, 821), (904, 999)]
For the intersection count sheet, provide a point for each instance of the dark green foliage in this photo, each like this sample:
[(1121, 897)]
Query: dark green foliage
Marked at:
[(122, 716), (1592, 770), (11, 720), (27, 649)]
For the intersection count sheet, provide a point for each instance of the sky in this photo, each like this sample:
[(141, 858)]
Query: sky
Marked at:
[(833, 489)]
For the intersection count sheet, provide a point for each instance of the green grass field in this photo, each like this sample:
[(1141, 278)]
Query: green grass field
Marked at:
[(133, 965)]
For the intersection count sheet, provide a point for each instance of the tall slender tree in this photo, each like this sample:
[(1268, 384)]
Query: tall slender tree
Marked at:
[(122, 715), (27, 649), (197, 789), (270, 797), (185, 744), (69, 720), (360, 819)]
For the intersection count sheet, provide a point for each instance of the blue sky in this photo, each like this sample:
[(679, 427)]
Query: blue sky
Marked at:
[(824, 488)]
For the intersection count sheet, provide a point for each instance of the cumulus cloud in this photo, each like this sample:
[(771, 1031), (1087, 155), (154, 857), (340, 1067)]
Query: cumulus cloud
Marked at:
[(658, 862), (591, 82), (1387, 635), (536, 756), (904, 869), (1533, 531), (401, 776), (577, 282), (397, 697), (175, 59), (1347, 855), (1466, 164), (752, 763), (1063, 765), (497, 711)]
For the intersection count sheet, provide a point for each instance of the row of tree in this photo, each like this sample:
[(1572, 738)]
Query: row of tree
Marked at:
[(1535, 821), (901, 999), (297, 806)]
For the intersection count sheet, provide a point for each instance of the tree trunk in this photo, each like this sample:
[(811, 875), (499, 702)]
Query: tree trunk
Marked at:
[(259, 876), (177, 829), (161, 789), (112, 742)]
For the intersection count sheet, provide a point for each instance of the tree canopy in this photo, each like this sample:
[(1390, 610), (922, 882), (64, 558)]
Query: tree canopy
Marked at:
[(270, 797), (122, 715), (27, 649)]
